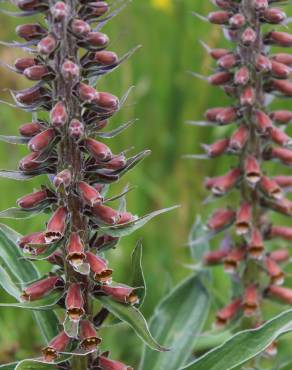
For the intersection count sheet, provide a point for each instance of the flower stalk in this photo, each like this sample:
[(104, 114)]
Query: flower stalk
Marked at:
[(249, 74)]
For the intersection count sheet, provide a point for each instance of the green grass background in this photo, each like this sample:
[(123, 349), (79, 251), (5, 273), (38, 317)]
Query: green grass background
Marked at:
[(165, 95)]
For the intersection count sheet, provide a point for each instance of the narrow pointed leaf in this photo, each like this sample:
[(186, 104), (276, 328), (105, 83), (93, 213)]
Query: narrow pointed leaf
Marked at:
[(18, 213), (39, 364), (71, 327), (10, 366), (244, 345), (48, 324), (138, 279), (46, 303), (117, 131), (128, 228), (15, 175), (177, 322), (8, 284), (14, 139), (134, 318)]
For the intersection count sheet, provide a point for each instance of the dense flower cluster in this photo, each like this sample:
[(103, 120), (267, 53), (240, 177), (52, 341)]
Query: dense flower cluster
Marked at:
[(68, 54), (250, 75)]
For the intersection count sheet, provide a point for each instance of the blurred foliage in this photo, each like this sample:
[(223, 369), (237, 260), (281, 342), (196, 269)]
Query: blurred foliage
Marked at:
[(165, 96)]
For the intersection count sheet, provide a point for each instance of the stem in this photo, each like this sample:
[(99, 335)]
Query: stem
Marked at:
[(79, 363)]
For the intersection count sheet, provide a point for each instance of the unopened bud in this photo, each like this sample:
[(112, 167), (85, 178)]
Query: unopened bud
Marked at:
[(221, 219), (220, 78), (237, 21), (241, 76), (89, 194), (238, 139), (274, 15), (281, 116), (30, 31), (228, 313), (60, 11), (62, 178), (70, 70), (98, 150), (227, 61), (47, 45), (76, 129), (248, 96), (22, 63), (42, 140), (279, 38), (105, 58), (58, 115), (30, 129), (219, 17), (248, 37)]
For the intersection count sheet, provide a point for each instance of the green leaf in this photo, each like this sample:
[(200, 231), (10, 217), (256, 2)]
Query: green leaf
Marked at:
[(39, 364), (244, 345), (134, 318), (138, 279), (10, 366), (18, 213), (176, 322), (48, 324), (197, 230), (14, 139), (117, 131), (8, 284), (71, 328), (46, 303), (128, 228), (15, 175)]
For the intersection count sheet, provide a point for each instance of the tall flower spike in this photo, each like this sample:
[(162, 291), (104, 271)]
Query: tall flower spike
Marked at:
[(247, 73), (69, 55)]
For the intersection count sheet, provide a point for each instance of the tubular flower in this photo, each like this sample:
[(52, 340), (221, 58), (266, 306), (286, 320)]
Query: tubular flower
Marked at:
[(247, 73), (69, 55)]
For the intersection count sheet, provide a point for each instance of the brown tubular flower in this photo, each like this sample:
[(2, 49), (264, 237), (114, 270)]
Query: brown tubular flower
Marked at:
[(69, 55), (248, 73)]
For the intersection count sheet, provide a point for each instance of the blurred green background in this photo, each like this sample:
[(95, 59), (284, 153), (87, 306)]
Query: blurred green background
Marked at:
[(165, 96)]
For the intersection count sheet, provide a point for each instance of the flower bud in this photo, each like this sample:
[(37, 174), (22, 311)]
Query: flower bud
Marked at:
[(217, 148), (215, 257), (280, 137), (218, 53), (33, 200), (47, 45), (96, 39), (250, 301), (281, 232), (237, 21), (228, 313), (88, 336), (280, 70), (219, 17), (41, 140), (22, 63), (263, 64), (223, 4), (284, 294), (30, 95), (98, 150), (241, 76), (125, 217), (75, 250), (248, 96), (261, 4), (105, 58), (283, 86), (58, 115), (222, 184), (274, 15), (284, 155), (30, 31), (98, 8), (280, 255), (107, 364), (106, 214), (283, 58), (279, 38), (116, 163), (211, 114), (62, 178), (220, 78), (248, 36), (76, 129), (87, 93), (60, 11), (274, 271), (233, 259), (271, 188), (226, 115), (80, 27), (283, 181), (30, 129), (74, 302), (70, 70), (263, 122), (99, 267), (121, 293), (56, 225), (256, 245), (89, 194), (243, 219), (58, 344), (238, 139), (221, 219), (30, 4), (40, 289), (281, 116), (252, 170), (227, 61), (29, 162), (36, 73)]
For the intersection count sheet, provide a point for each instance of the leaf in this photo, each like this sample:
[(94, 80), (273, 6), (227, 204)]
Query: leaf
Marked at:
[(198, 250), (117, 131), (128, 228), (134, 318), (15, 175), (138, 279), (39, 364), (48, 324), (18, 213), (46, 303), (177, 322), (8, 284), (133, 161), (244, 345), (71, 328), (10, 366), (14, 139)]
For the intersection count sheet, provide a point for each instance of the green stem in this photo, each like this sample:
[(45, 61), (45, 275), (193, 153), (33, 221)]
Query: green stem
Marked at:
[(79, 363)]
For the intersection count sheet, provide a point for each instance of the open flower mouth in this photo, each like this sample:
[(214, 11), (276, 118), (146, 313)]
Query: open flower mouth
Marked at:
[(76, 259), (75, 313), (132, 298), (230, 266), (242, 228), (52, 236), (90, 344), (278, 279), (50, 354), (104, 277), (250, 309), (253, 177), (256, 251)]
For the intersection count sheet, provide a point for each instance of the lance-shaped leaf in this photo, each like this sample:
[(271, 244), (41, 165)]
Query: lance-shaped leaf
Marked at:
[(117, 131), (71, 328), (46, 303), (18, 213), (15, 175), (244, 345), (48, 324), (138, 279), (134, 318), (10, 286), (129, 227), (177, 322), (14, 139), (38, 364), (10, 366)]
